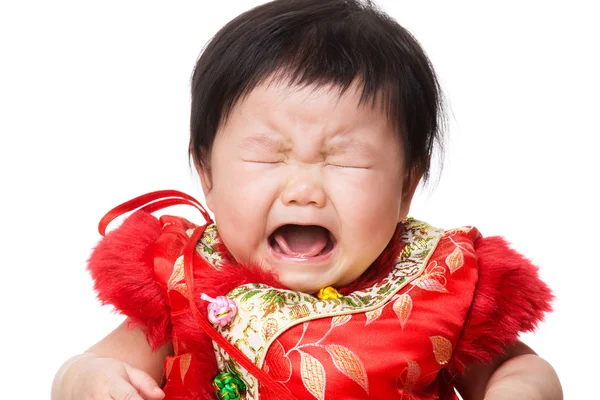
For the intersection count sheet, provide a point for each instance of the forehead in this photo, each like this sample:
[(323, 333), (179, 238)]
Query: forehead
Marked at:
[(328, 109)]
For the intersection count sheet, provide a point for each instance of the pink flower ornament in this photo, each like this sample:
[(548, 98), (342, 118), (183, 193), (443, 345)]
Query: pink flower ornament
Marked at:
[(220, 310)]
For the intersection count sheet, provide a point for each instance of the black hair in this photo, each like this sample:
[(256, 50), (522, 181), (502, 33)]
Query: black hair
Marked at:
[(320, 42)]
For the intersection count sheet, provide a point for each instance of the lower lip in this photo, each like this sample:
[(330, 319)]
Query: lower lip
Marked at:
[(308, 260)]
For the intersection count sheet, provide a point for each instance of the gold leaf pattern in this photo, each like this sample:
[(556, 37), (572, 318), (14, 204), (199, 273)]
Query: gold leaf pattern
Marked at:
[(349, 364), (313, 375), (403, 307), (181, 288), (463, 229), (373, 315), (442, 349), (340, 320), (431, 285), (299, 311), (433, 280), (208, 237), (413, 373), (169, 366), (269, 328), (177, 274), (455, 260), (184, 365), (206, 246), (404, 395)]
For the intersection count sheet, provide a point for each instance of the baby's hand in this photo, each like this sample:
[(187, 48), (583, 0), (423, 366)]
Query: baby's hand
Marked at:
[(94, 377)]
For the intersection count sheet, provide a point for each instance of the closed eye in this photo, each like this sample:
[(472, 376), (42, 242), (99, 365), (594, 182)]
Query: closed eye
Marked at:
[(264, 162), (348, 166)]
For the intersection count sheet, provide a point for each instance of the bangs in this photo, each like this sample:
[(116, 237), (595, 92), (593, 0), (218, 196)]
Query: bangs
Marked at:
[(319, 43)]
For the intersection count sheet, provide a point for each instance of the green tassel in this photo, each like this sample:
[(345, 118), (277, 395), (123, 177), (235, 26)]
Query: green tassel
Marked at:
[(229, 386)]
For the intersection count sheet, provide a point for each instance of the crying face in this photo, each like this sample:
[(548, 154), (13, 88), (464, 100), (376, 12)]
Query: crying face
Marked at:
[(307, 183)]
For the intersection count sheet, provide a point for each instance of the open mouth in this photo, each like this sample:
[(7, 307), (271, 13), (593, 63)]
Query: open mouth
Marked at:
[(302, 241)]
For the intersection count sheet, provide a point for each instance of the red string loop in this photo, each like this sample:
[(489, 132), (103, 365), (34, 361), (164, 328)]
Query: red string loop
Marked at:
[(151, 202), (158, 200)]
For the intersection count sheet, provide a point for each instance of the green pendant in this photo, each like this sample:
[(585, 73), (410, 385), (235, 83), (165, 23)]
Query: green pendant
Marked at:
[(229, 386)]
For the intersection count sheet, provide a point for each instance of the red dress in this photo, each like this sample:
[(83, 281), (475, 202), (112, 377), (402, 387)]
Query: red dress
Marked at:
[(434, 302)]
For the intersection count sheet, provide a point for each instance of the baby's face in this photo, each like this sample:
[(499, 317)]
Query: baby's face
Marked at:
[(307, 183)]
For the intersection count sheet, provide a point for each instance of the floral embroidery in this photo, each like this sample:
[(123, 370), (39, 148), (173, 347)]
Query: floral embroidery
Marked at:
[(434, 278), (442, 349), (407, 380), (373, 315), (269, 328), (319, 366), (299, 311), (177, 279), (402, 307), (281, 370), (455, 260), (206, 245), (313, 375), (340, 319), (184, 365), (169, 366), (265, 312), (349, 364)]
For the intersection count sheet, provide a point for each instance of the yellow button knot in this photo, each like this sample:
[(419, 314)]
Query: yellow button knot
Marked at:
[(328, 293)]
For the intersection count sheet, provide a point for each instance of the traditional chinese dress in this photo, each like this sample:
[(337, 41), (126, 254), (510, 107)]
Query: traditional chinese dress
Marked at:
[(434, 301)]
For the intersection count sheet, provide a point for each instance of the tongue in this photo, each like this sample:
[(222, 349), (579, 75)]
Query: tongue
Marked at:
[(301, 241)]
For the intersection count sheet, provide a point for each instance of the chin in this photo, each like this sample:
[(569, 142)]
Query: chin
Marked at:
[(301, 285)]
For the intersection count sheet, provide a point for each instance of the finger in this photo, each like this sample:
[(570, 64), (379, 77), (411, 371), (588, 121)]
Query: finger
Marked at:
[(144, 383), (122, 390)]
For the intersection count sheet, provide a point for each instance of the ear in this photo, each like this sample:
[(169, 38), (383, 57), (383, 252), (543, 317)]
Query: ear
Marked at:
[(409, 187), (206, 181)]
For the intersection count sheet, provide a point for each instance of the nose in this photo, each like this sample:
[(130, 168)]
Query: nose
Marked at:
[(304, 189)]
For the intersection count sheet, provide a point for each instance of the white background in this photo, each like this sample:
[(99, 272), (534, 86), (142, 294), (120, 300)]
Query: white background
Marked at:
[(94, 108)]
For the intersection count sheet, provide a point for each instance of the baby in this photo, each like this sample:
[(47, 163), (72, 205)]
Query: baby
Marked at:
[(312, 124)]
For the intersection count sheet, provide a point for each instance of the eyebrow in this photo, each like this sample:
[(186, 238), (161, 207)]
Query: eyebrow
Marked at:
[(268, 143), (263, 142), (352, 145)]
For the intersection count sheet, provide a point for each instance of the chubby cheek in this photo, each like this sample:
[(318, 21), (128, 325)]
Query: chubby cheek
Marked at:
[(368, 204), (242, 200)]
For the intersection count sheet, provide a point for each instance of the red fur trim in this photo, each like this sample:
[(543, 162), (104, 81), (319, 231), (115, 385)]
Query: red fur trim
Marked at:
[(122, 266), (214, 283), (231, 275), (509, 299)]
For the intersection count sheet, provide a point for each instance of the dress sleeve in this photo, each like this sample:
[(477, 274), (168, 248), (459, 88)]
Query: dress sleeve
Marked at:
[(122, 267), (509, 299)]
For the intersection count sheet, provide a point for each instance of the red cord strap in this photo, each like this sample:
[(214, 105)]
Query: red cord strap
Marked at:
[(155, 201), (151, 202)]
